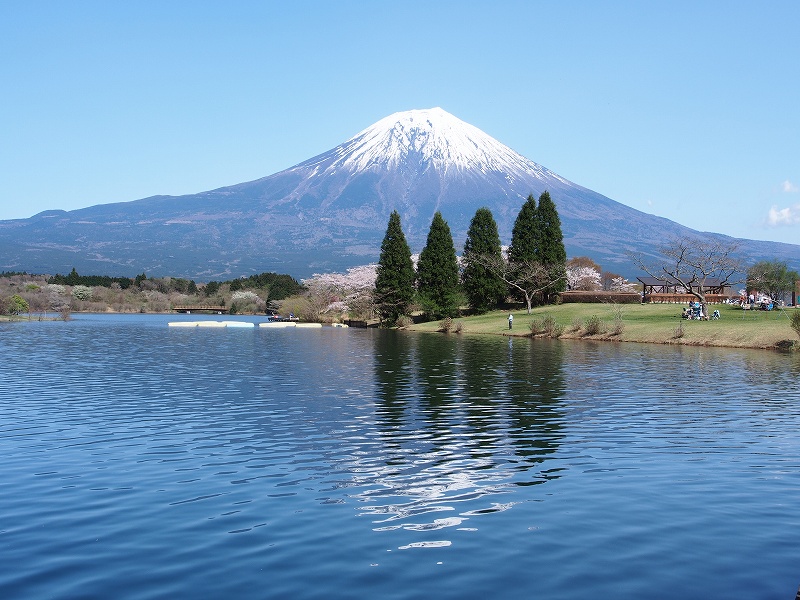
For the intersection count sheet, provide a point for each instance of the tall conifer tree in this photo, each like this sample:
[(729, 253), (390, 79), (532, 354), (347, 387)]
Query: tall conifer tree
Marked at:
[(537, 259), (437, 271), (551, 249), (551, 239), (525, 235), (484, 289), (394, 284)]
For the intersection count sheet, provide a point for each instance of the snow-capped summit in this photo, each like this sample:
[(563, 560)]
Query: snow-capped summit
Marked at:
[(431, 137)]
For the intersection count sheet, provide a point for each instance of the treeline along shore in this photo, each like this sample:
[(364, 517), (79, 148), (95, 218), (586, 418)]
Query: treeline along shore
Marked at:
[(646, 323), (57, 296)]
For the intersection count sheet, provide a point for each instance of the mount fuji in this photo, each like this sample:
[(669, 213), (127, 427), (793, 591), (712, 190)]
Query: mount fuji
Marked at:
[(330, 212)]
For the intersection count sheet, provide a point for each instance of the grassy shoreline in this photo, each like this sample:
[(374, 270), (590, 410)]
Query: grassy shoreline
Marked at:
[(643, 323), (640, 323)]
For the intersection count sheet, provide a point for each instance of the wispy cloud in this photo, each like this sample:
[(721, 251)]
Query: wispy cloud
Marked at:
[(789, 187), (783, 216)]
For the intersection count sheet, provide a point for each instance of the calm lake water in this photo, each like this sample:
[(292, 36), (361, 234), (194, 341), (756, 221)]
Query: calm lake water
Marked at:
[(141, 461)]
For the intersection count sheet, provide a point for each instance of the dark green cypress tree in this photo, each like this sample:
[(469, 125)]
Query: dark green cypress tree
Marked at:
[(437, 271), (73, 278), (551, 249), (484, 290), (551, 240), (525, 235), (394, 284)]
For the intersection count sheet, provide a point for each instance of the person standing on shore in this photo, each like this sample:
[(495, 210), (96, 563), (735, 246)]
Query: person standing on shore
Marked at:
[(510, 320)]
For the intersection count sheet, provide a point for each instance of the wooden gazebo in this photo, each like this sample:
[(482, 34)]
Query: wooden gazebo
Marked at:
[(670, 290)]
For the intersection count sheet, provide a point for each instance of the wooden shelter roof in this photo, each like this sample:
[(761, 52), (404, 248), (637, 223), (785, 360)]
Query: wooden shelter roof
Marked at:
[(710, 282)]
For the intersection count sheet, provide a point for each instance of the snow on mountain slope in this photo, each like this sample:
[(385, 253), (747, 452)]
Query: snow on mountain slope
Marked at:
[(431, 137)]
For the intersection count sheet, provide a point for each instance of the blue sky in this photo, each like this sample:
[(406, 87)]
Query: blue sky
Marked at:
[(687, 110)]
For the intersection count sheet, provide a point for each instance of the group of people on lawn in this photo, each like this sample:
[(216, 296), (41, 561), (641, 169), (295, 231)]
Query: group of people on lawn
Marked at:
[(698, 311), (764, 303)]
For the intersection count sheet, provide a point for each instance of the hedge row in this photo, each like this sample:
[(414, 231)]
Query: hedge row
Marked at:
[(600, 296)]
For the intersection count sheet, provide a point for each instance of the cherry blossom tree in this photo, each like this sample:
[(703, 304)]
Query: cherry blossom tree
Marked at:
[(344, 293), (583, 278), (620, 284)]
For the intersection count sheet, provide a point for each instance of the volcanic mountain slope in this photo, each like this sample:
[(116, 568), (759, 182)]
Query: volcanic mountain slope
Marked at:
[(330, 212)]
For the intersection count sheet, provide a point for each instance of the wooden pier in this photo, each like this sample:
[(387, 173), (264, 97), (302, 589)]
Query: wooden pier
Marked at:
[(186, 308)]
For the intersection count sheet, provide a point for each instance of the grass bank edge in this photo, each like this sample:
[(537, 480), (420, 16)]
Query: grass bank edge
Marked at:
[(644, 323)]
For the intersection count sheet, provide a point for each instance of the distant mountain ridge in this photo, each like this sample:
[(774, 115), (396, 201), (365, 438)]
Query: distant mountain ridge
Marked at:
[(329, 213)]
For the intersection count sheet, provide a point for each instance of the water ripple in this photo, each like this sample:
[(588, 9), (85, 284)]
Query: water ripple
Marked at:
[(146, 450)]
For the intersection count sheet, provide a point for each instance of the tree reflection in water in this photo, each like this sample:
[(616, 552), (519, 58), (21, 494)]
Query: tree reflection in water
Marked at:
[(462, 419)]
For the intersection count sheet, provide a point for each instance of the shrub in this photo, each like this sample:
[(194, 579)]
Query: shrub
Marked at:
[(619, 326), (794, 321), (246, 302), (555, 331), (595, 325), (679, 331), (16, 305), (297, 305), (576, 324), (404, 321), (537, 326), (82, 292), (56, 298), (446, 325), (546, 325), (459, 326)]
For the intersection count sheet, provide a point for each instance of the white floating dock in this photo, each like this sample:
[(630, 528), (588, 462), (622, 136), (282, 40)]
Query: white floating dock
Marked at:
[(210, 324), (245, 324)]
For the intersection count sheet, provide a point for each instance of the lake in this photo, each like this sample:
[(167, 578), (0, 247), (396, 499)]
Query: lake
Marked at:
[(142, 461)]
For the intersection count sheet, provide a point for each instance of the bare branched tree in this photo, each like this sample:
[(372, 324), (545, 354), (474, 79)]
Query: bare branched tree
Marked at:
[(528, 277), (690, 264)]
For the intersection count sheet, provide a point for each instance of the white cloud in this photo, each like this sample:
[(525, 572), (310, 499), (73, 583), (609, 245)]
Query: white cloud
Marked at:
[(789, 187), (784, 216)]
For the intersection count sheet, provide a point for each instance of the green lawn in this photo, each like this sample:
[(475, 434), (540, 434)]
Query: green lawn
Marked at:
[(652, 323)]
